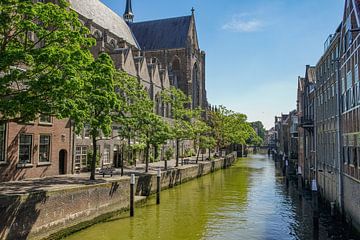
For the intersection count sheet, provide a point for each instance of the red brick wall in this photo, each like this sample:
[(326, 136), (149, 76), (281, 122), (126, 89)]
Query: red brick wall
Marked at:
[(61, 139)]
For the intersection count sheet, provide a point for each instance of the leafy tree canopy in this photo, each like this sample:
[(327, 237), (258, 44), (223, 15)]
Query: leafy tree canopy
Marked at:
[(44, 52)]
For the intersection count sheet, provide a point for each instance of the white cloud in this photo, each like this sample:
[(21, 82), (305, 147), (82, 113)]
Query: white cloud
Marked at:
[(244, 23)]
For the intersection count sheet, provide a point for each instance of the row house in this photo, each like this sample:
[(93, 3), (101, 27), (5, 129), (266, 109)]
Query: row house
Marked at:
[(329, 112), (306, 99), (327, 121), (350, 110)]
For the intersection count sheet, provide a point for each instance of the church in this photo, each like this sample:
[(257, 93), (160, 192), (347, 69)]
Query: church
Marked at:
[(159, 53)]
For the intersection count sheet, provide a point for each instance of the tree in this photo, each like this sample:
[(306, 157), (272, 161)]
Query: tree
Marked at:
[(207, 142), (200, 131), (44, 51), (181, 115), (218, 121), (259, 129), (156, 132), (135, 109), (231, 128), (98, 101)]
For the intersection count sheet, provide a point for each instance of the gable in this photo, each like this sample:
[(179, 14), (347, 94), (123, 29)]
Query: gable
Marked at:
[(192, 34), (129, 64), (144, 70), (165, 79), (155, 75)]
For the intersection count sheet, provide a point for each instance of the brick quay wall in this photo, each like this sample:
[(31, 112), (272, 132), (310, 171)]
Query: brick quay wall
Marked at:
[(51, 214)]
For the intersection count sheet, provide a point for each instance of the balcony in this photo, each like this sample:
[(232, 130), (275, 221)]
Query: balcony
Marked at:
[(307, 122)]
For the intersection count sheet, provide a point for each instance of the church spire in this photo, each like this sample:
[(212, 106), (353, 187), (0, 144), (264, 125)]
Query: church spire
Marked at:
[(128, 14)]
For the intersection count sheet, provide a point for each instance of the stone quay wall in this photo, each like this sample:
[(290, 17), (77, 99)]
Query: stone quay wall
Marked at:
[(54, 213), (39, 214), (146, 183)]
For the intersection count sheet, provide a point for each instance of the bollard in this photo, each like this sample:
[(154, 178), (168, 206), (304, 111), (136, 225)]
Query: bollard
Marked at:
[(332, 207), (300, 185), (158, 186), (287, 173), (315, 204), (132, 185)]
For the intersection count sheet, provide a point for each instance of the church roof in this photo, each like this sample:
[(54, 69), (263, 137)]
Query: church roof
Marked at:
[(105, 17), (162, 34)]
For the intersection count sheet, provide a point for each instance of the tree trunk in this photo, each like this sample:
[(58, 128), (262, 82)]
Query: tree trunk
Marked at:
[(177, 152), (147, 157), (156, 152), (209, 154), (94, 158), (197, 156), (129, 149)]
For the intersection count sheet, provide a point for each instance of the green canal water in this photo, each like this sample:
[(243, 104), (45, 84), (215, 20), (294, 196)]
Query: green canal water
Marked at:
[(247, 201)]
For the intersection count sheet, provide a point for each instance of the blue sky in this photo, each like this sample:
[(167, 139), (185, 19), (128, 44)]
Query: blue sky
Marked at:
[(255, 49)]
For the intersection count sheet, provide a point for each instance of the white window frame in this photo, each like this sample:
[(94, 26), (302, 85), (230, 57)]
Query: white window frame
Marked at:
[(106, 155), (47, 122), (81, 153), (49, 149), (29, 161)]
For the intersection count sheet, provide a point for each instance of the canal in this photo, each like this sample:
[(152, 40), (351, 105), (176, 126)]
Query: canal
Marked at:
[(247, 201)]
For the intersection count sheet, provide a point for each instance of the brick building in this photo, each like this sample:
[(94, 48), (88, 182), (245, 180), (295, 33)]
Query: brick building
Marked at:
[(327, 120), (350, 108), (306, 98), (38, 149), (160, 54)]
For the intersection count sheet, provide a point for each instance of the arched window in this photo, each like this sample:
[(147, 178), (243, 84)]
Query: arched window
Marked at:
[(113, 43), (97, 35), (195, 87), (174, 72), (158, 104)]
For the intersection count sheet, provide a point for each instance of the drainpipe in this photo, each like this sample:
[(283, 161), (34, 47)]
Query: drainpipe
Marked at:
[(72, 148)]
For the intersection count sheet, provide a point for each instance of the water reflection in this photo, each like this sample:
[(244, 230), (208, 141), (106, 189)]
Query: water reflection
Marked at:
[(247, 201)]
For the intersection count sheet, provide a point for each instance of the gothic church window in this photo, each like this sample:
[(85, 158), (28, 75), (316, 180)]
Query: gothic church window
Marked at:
[(174, 74), (195, 87)]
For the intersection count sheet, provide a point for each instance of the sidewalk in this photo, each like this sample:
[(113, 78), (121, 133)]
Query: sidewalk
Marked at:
[(82, 179)]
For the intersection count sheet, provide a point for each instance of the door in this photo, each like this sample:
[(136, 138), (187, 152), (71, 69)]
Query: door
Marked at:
[(62, 162)]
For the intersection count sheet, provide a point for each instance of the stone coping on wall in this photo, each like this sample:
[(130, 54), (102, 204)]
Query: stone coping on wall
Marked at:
[(55, 184)]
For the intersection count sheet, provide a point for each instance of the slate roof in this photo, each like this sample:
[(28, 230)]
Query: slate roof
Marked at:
[(105, 17), (162, 34)]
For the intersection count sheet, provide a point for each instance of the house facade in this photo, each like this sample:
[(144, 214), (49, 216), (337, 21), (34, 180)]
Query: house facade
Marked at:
[(350, 110)]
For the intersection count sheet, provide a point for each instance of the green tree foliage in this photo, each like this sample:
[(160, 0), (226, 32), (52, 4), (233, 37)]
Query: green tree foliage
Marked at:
[(98, 100), (259, 129), (44, 52), (181, 123), (229, 127), (156, 131)]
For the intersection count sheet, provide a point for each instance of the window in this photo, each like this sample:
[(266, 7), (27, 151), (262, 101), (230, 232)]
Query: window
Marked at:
[(25, 149), (44, 151), (87, 131), (81, 157), (45, 119), (2, 142), (106, 155)]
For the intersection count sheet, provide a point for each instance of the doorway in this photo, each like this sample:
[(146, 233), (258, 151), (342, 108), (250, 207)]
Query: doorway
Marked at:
[(62, 161)]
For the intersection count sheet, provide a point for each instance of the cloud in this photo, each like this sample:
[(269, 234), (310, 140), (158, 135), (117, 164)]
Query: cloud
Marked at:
[(244, 22)]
